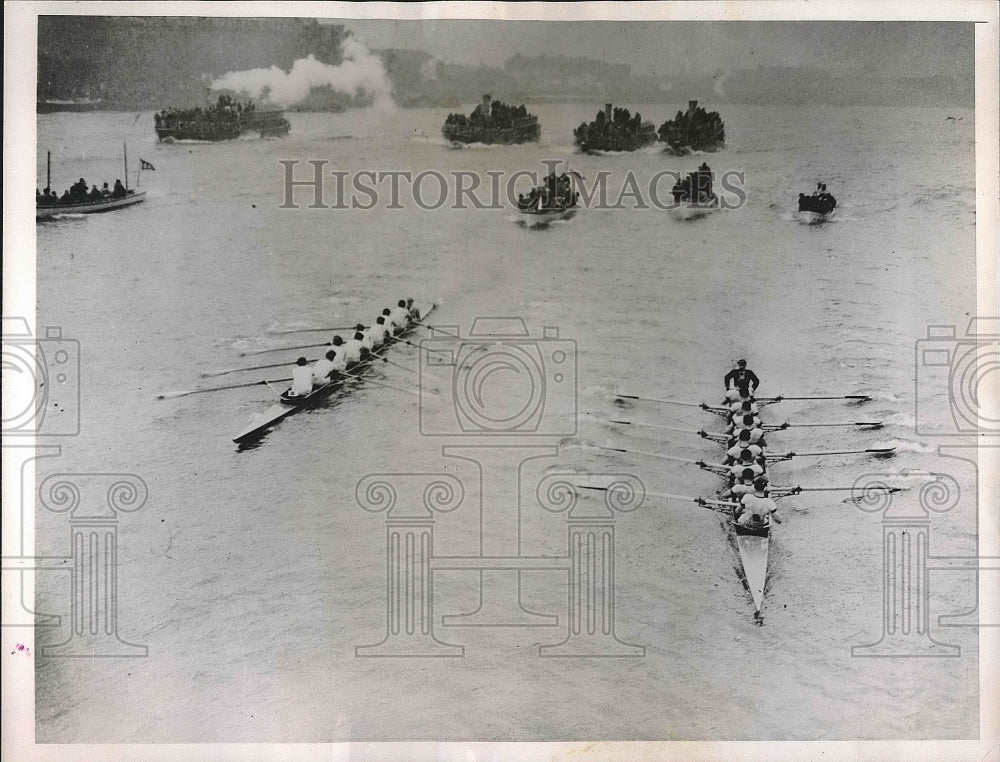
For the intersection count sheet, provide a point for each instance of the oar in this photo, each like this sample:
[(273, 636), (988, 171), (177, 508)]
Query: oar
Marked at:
[(783, 426), (661, 401), (435, 328), (656, 426), (797, 489), (858, 397), (673, 458), (398, 365), (868, 424), (281, 349), (174, 395), (714, 505), (227, 371), (310, 330), (871, 450), (379, 383)]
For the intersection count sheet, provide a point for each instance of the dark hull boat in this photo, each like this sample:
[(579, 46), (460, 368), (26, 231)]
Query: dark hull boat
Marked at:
[(614, 130), (816, 208), (90, 207), (492, 123), (695, 130)]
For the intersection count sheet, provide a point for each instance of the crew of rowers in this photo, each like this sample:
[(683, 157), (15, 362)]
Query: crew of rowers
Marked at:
[(341, 356), (745, 465), (78, 194)]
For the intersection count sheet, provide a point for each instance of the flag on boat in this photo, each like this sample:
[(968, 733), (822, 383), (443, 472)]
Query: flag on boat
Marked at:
[(143, 164)]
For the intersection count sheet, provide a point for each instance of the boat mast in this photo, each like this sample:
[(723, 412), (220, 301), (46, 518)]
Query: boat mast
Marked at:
[(48, 170), (125, 154)]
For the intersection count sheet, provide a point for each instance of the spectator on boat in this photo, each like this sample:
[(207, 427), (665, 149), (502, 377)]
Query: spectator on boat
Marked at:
[(301, 378), (741, 376), (325, 368), (66, 198), (755, 508), (95, 194), (105, 191), (119, 190)]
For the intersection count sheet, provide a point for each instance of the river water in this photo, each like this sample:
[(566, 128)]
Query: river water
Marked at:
[(253, 574)]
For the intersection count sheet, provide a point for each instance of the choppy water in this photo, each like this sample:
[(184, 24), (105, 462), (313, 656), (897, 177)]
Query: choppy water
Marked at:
[(252, 575)]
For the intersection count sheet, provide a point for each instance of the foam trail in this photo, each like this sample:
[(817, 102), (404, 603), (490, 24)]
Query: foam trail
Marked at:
[(360, 73)]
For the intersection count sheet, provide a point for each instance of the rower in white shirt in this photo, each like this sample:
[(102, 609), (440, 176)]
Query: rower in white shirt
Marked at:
[(746, 462), (739, 423), (740, 488), (756, 508), (390, 324), (400, 316), (735, 470), (378, 332), (301, 378), (744, 443), (742, 408), (324, 368), (366, 339), (352, 349)]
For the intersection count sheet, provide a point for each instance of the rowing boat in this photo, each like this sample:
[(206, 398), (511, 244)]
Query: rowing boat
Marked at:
[(261, 422), (753, 544)]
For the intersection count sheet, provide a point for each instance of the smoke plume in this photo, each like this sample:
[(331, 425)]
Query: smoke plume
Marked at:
[(360, 73)]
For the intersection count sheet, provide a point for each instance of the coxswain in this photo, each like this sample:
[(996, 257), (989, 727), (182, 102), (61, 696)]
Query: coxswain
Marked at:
[(741, 376), (756, 507), (324, 369), (401, 314), (301, 378)]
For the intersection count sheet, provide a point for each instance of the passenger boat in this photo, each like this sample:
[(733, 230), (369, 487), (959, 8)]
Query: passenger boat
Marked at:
[(490, 123), (287, 405), (90, 207), (95, 206)]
